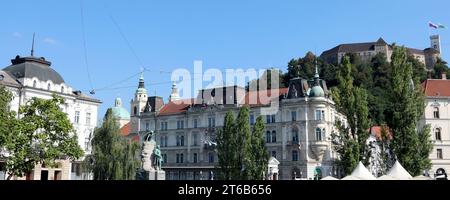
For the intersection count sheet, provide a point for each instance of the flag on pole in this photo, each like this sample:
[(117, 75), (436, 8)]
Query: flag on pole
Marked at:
[(432, 25)]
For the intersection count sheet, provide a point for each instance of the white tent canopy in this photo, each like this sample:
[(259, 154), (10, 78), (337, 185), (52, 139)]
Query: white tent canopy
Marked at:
[(350, 177), (362, 173), (386, 177), (398, 172), (329, 178)]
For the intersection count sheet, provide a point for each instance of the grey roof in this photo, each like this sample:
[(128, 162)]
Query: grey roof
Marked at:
[(7, 80), (81, 96), (29, 67), (415, 51)]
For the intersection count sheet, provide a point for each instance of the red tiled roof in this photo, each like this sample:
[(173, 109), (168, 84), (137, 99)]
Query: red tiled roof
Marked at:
[(125, 130), (436, 87), (253, 98), (175, 107), (135, 138), (376, 131)]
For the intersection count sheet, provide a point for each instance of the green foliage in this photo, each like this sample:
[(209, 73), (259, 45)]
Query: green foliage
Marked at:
[(406, 109), (265, 81), (440, 68), (113, 156), (242, 154), (43, 134), (351, 101), (226, 149), (259, 153), (7, 117)]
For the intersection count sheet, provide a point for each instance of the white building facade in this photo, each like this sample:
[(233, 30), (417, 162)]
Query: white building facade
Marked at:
[(29, 77), (437, 115), (297, 129)]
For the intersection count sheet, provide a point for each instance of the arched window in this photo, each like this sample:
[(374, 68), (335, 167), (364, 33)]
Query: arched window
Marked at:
[(135, 110), (48, 86), (182, 140), (274, 136), (318, 134), (34, 83), (436, 112), (268, 137), (437, 134), (62, 89), (294, 135)]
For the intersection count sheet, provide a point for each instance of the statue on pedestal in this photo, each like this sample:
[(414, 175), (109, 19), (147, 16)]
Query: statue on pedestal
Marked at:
[(151, 159)]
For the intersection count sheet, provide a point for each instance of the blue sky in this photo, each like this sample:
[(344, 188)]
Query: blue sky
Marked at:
[(123, 36)]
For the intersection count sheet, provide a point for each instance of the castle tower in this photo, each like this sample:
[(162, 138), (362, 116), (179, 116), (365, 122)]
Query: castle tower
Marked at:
[(436, 42), (174, 96), (140, 98)]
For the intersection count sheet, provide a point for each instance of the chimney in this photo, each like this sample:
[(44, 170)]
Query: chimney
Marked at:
[(444, 76)]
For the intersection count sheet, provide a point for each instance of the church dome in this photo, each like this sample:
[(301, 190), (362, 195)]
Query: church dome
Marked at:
[(29, 67), (119, 112), (316, 91)]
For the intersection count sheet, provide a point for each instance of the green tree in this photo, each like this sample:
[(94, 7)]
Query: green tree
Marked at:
[(418, 68), (113, 156), (43, 134), (259, 153), (440, 68), (7, 117), (410, 143), (265, 81), (226, 149), (243, 136), (351, 101)]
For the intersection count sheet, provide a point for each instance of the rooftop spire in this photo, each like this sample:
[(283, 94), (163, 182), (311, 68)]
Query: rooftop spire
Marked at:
[(317, 71), (32, 46), (141, 80)]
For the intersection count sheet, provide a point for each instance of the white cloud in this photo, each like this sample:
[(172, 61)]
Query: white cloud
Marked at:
[(16, 34), (50, 41)]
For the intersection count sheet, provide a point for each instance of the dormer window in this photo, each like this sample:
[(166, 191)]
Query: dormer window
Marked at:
[(48, 86), (62, 89), (34, 83)]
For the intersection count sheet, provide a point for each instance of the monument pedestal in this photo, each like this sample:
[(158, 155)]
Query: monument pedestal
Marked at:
[(156, 175)]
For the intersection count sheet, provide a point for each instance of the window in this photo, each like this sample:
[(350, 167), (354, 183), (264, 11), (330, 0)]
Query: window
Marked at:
[(268, 137), (88, 119), (147, 126), (164, 126), (439, 153), (318, 115), (135, 110), (274, 136), (252, 119), (195, 139), (273, 154), (267, 119), (180, 140), (438, 134), (34, 83), (179, 158), (194, 158), (195, 123), (164, 156), (294, 136), (180, 124), (293, 116), (211, 122), (323, 115), (318, 134), (48, 86), (162, 140), (273, 118), (62, 89), (77, 117), (436, 113), (295, 155), (211, 157)]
